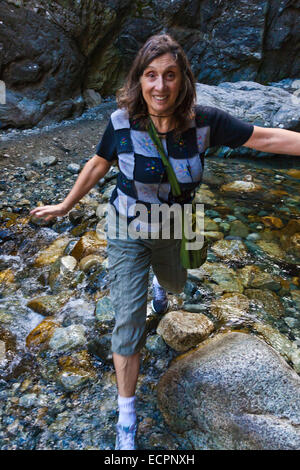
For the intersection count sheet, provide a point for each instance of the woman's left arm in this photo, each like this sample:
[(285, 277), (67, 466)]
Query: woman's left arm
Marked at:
[(274, 140)]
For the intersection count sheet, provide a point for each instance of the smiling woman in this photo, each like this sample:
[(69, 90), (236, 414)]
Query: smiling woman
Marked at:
[(160, 83), (159, 91)]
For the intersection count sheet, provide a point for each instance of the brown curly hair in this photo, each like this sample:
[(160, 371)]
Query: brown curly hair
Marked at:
[(130, 96)]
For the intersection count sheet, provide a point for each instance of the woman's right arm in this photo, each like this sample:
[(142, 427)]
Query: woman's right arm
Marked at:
[(92, 171)]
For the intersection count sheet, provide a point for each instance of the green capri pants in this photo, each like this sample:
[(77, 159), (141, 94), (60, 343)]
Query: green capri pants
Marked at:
[(129, 263)]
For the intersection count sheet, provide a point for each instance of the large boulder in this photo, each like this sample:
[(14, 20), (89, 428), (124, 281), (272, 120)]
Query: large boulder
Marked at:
[(233, 392)]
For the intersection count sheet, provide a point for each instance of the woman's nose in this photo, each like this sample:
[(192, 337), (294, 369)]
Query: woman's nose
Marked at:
[(160, 83)]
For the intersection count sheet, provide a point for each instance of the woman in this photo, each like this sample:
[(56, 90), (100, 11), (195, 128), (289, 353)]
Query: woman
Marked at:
[(160, 86)]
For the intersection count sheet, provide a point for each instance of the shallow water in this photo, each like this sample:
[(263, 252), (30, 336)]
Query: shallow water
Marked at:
[(36, 411)]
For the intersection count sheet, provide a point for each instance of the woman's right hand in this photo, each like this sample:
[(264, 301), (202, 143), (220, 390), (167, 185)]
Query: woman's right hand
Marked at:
[(49, 212)]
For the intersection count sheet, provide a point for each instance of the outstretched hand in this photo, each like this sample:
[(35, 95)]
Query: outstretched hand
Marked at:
[(49, 212)]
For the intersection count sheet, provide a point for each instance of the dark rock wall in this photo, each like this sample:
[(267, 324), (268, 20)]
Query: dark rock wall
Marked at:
[(50, 52)]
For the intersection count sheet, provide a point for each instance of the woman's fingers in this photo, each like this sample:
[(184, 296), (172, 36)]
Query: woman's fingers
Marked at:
[(46, 211)]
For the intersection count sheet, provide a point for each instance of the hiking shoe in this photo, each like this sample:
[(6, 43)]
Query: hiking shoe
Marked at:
[(126, 437), (160, 303)]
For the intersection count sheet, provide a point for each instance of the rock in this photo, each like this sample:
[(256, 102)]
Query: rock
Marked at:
[(63, 276), (294, 246), (42, 162), (49, 305), (90, 261), (206, 197), (231, 308), (266, 301), (184, 330), (41, 334), (156, 345), (287, 232), (295, 294), (73, 168), (101, 348), (240, 187), (230, 250), (271, 221), (210, 225), (286, 348), (252, 276), (88, 244), (293, 172), (3, 360), (271, 249), (8, 352), (52, 252), (233, 392), (7, 278), (214, 236), (66, 339), (28, 400), (76, 371), (92, 98), (105, 313), (237, 228)]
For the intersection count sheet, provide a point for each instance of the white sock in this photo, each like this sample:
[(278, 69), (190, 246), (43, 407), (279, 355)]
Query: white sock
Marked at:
[(127, 414), (155, 281)]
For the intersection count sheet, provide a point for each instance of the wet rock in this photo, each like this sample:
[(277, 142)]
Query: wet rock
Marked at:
[(7, 278), (252, 276), (237, 228), (210, 225), (63, 276), (240, 187), (49, 305), (295, 294), (105, 313), (287, 232), (88, 244), (90, 261), (286, 348), (206, 197), (156, 345), (101, 348), (8, 352), (233, 392), (273, 222), (231, 250), (226, 278), (184, 330), (66, 339), (76, 371), (52, 252), (231, 307), (40, 336), (271, 249), (266, 301)]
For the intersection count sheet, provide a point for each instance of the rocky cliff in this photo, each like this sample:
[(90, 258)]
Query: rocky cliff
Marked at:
[(52, 52)]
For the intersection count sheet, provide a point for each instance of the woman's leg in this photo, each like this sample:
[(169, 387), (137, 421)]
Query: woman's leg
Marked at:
[(127, 371)]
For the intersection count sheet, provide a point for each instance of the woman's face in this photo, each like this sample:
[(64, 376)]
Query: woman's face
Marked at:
[(160, 84)]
